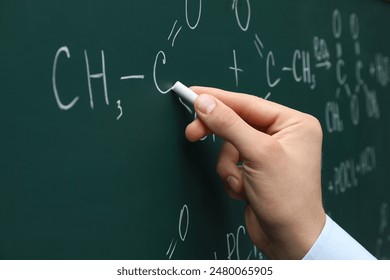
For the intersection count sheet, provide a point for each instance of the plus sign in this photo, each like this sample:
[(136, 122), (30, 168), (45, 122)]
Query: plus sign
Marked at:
[(235, 68)]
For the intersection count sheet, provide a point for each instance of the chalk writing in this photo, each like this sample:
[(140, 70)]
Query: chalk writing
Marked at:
[(101, 75), (164, 60), (184, 221), (354, 94), (244, 27), (120, 110), (372, 106), (301, 61), (321, 53), (381, 68), (346, 173), (333, 119), (259, 45), (233, 241), (274, 82), (133, 77), (60, 104), (383, 240), (199, 15), (175, 33), (235, 67), (90, 76)]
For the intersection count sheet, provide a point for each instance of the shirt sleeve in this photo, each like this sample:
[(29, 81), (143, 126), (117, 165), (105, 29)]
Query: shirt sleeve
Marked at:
[(334, 243)]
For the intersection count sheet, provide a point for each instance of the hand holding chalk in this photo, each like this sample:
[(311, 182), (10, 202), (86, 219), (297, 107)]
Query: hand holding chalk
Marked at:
[(280, 179)]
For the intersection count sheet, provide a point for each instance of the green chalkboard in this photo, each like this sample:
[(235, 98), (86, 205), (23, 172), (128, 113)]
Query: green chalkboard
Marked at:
[(93, 159)]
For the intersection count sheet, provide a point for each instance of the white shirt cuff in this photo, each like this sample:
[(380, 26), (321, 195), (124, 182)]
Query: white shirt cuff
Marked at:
[(334, 243)]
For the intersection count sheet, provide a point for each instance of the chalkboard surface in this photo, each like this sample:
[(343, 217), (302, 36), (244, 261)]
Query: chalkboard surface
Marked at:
[(94, 163)]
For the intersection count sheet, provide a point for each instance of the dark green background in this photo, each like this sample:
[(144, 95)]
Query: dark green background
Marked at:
[(80, 184)]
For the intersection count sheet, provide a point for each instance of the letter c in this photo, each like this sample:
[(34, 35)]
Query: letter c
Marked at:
[(164, 60), (61, 105)]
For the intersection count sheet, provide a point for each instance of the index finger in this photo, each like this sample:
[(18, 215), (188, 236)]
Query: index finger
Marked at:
[(262, 114)]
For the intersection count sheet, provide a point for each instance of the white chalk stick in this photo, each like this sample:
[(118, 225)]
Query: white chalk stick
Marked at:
[(184, 92)]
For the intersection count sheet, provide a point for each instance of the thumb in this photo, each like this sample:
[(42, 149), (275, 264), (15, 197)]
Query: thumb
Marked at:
[(227, 124)]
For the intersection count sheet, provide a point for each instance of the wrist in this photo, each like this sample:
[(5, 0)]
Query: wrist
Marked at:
[(295, 241)]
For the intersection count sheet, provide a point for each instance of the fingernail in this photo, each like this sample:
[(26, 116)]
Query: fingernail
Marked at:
[(205, 103), (233, 182)]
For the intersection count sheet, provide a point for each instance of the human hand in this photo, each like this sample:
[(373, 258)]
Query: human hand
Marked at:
[(280, 178)]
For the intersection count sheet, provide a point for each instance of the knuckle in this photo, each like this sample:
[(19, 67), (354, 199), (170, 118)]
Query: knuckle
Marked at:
[(314, 126), (227, 161), (221, 169), (224, 168)]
